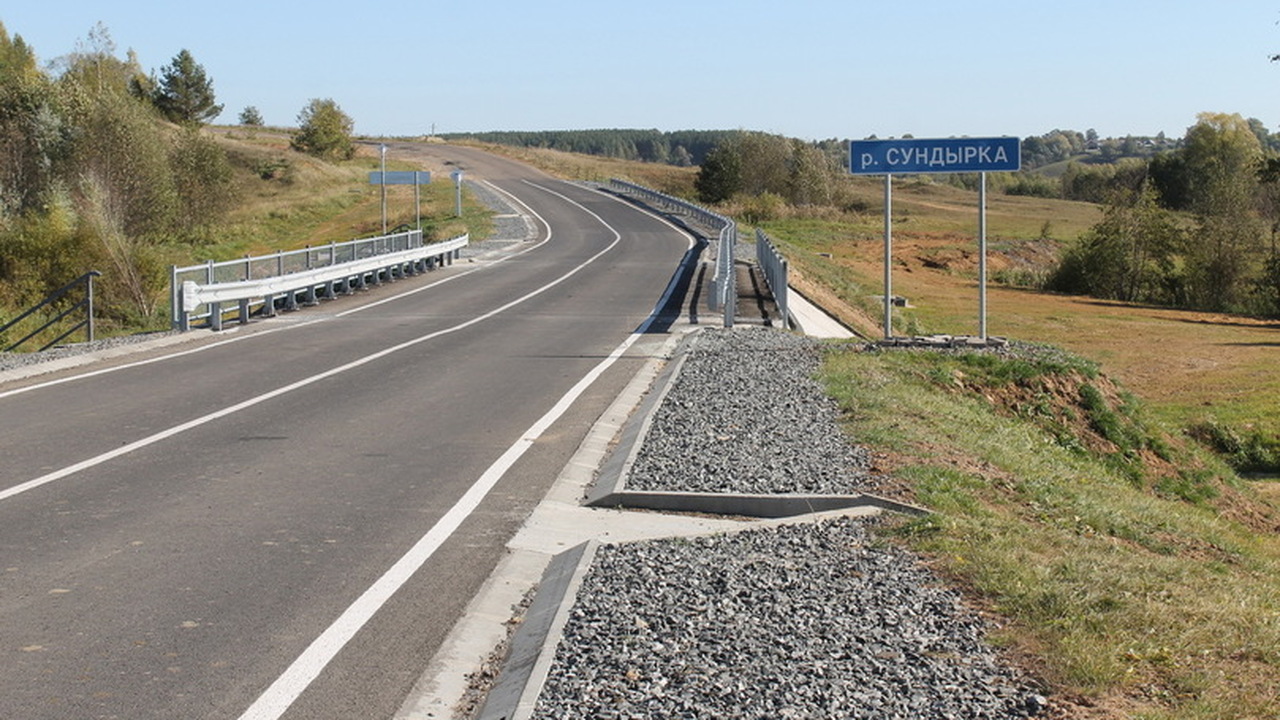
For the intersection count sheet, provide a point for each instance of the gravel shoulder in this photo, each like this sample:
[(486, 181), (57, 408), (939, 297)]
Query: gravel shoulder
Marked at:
[(816, 619)]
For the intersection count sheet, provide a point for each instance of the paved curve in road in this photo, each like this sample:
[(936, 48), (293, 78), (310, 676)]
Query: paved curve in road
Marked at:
[(285, 521)]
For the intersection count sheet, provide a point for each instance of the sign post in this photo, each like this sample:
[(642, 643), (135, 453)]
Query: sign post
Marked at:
[(912, 156), (401, 177), (457, 202), (888, 256), (383, 178)]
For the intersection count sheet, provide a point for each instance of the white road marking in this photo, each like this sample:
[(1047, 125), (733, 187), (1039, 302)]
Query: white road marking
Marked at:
[(282, 693), (277, 699), (206, 419)]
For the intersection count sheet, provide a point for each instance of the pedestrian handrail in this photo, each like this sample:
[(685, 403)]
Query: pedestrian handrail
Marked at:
[(724, 285), (86, 304), (211, 289), (774, 267)]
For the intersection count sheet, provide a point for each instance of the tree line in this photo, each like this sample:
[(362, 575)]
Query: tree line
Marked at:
[(682, 148), (104, 166), (1196, 227)]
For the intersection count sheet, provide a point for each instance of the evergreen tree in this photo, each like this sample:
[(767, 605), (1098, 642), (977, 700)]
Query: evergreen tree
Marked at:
[(720, 176), (251, 116), (185, 94)]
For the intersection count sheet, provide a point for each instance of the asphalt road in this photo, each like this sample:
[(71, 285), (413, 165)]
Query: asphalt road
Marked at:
[(285, 521)]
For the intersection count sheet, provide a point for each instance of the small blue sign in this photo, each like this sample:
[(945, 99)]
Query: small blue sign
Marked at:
[(401, 177), (945, 155)]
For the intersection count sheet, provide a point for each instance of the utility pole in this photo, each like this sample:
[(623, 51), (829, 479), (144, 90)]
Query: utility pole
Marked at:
[(383, 148)]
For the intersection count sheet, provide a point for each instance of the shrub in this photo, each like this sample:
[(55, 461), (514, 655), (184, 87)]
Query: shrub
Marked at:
[(324, 130)]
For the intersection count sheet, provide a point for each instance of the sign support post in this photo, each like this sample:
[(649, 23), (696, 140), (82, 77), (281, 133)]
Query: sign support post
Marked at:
[(888, 256), (383, 179), (950, 155), (982, 255), (417, 200), (415, 178)]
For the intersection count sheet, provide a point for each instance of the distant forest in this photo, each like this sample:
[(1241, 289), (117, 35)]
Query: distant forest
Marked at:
[(683, 148)]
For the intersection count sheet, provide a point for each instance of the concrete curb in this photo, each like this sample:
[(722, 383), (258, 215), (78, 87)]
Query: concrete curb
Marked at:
[(814, 320), (533, 646), (747, 505), (617, 464)]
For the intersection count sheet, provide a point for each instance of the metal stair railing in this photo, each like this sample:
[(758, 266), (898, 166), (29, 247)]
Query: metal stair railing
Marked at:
[(85, 304)]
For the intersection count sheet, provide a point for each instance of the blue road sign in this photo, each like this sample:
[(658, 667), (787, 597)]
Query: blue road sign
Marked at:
[(945, 155), (404, 177)]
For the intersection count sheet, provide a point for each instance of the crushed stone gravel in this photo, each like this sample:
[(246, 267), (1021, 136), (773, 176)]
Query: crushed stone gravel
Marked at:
[(812, 620), (746, 415)]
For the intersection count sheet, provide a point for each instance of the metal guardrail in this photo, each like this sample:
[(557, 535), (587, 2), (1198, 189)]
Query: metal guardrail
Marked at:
[(86, 304), (774, 267), (214, 288), (724, 284)]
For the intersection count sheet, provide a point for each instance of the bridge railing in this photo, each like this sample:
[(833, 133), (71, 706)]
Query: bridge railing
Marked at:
[(774, 268), (212, 289), (724, 284)]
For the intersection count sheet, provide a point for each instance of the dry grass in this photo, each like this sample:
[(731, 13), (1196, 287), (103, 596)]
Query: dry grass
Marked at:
[(289, 200), (572, 166), (1136, 588), (1189, 366)]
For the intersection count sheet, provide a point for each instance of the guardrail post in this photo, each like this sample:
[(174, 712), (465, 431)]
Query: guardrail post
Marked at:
[(175, 300)]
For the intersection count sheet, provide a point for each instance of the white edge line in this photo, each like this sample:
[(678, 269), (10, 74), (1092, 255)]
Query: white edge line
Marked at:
[(205, 419)]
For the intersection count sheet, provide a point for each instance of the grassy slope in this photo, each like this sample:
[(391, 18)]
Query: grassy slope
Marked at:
[(1136, 576), (1148, 592), (1189, 366), (306, 201)]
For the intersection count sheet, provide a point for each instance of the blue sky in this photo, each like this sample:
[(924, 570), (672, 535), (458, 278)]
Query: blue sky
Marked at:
[(813, 69)]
